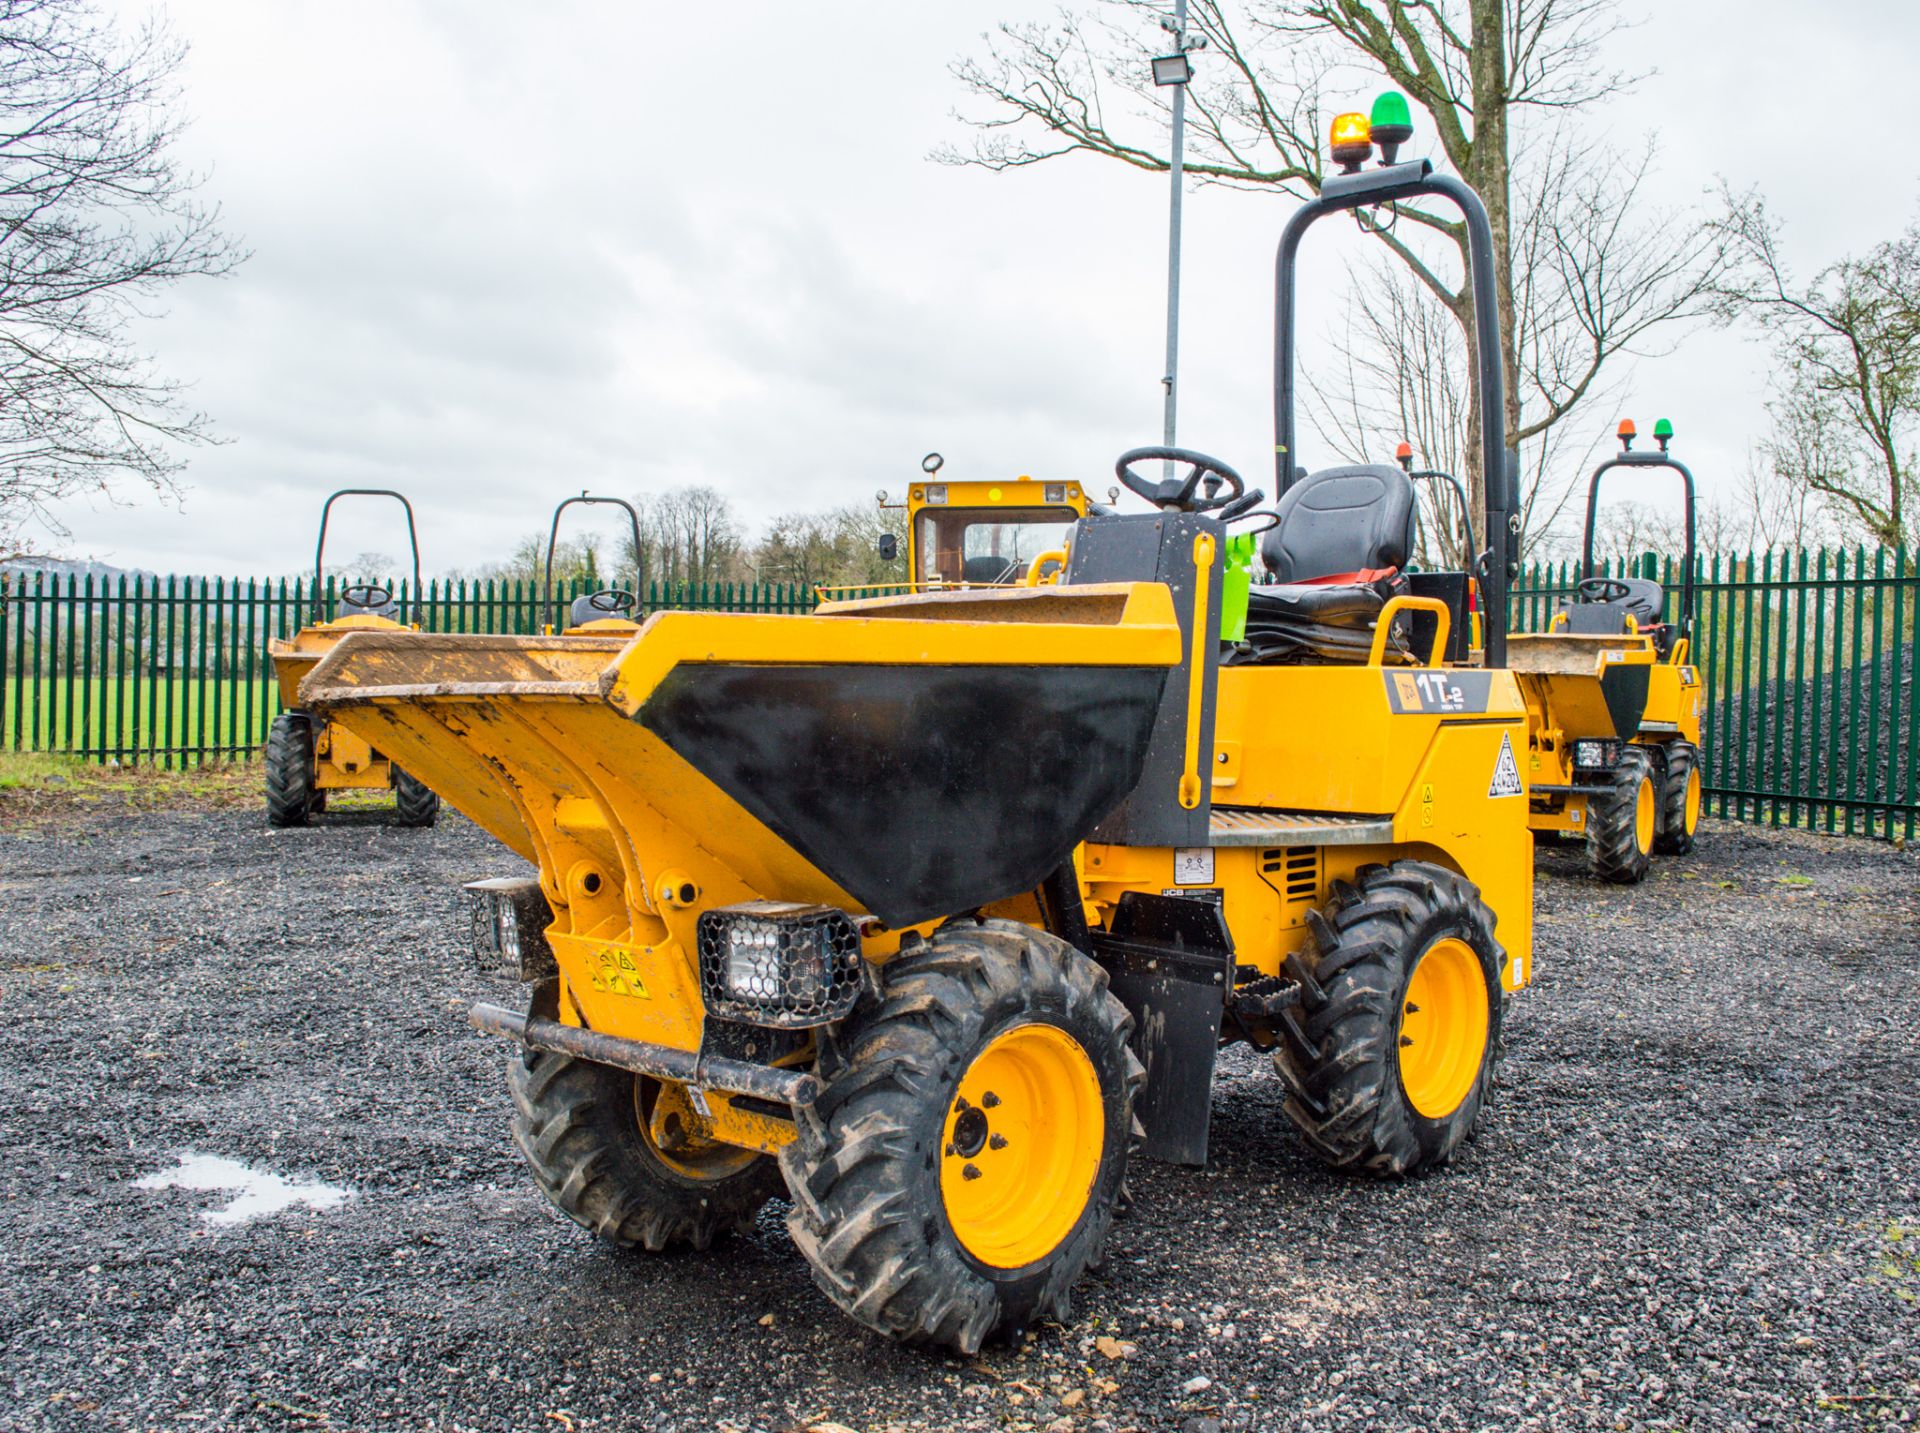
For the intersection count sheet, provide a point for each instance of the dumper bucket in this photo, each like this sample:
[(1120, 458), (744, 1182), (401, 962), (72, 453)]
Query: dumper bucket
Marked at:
[(1591, 685), (911, 757), (294, 657)]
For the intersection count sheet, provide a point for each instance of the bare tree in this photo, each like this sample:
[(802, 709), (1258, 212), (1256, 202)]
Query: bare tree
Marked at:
[(688, 534), (575, 560), (1776, 509), (1584, 270), (1846, 407), (836, 548), (96, 219)]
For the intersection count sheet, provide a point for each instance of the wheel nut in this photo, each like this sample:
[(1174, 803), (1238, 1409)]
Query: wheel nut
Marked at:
[(960, 1105), (998, 1141), (952, 1149), (969, 1171), (989, 1099), (1412, 1009), (1405, 1040)]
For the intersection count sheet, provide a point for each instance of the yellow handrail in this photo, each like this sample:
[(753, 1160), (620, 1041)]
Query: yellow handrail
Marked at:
[(1052, 554), (1383, 628)]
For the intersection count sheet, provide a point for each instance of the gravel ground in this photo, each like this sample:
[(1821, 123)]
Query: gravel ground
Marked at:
[(1697, 1204)]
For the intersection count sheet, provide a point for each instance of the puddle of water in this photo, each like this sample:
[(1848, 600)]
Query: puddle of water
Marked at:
[(257, 1192)]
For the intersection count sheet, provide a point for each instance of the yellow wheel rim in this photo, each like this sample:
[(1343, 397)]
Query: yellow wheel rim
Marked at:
[(1021, 1146), (1443, 1028), (676, 1135), (1645, 808), (1693, 799)]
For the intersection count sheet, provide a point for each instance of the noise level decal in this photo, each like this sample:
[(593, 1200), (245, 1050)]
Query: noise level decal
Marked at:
[(1506, 772)]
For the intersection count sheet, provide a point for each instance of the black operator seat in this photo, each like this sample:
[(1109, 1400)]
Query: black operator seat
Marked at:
[(598, 607), (1339, 521), (1342, 538), (990, 570)]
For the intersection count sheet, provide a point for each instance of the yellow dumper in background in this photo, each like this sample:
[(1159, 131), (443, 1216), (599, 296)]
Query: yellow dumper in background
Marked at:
[(308, 754)]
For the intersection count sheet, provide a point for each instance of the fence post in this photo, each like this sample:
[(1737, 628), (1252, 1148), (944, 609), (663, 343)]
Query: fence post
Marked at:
[(1877, 816)]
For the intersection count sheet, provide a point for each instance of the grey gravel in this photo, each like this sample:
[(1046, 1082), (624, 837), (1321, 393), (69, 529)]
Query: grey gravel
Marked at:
[(1696, 1204)]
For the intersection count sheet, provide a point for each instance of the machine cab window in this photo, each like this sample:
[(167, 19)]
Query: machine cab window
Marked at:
[(985, 545)]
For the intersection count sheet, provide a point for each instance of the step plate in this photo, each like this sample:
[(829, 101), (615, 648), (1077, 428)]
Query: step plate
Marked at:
[(1297, 828)]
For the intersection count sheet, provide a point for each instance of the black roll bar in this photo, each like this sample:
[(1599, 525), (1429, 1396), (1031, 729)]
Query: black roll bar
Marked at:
[(320, 547), (1437, 475), (553, 536), (1632, 459), (1382, 185)]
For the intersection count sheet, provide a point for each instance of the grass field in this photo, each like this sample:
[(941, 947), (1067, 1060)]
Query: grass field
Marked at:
[(40, 789), (132, 718)]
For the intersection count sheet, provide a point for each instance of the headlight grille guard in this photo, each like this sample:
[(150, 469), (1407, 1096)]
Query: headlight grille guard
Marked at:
[(779, 964)]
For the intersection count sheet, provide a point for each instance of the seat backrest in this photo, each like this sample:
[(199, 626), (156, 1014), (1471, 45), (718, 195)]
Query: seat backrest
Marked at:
[(1340, 520), (990, 569), (1644, 600), (584, 610)]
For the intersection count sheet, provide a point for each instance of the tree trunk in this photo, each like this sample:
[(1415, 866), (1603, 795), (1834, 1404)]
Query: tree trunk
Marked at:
[(1488, 172)]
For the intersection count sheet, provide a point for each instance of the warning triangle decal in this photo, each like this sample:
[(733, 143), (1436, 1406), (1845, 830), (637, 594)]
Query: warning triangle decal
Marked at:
[(1506, 772)]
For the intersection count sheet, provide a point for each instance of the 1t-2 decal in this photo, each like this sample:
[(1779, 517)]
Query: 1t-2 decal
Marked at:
[(1439, 691)]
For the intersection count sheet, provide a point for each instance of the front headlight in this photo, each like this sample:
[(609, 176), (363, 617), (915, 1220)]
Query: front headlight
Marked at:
[(753, 962), (508, 917), (1595, 755), (779, 964)]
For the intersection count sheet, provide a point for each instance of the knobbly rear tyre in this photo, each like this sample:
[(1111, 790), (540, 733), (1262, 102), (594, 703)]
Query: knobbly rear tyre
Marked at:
[(414, 803), (1679, 799), (1341, 1052), (289, 770), (582, 1130), (870, 1170)]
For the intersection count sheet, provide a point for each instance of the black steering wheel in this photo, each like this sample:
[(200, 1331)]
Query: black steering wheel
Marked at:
[(1183, 494), (1601, 589), (613, 599), (367, 596)]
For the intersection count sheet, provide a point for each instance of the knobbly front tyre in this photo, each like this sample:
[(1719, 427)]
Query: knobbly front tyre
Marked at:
[(959, 1172), (414, 803), (1622, 818), (1389, 1058)]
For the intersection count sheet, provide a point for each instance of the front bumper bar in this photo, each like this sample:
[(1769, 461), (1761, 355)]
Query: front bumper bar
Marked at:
[(662, 1062)]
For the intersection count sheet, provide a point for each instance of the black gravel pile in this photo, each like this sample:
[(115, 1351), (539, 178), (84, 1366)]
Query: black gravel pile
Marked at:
[(1846, 745), (1697, 1204)]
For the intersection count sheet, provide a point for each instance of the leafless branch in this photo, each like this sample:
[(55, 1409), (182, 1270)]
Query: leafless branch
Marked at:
[(96, 221)]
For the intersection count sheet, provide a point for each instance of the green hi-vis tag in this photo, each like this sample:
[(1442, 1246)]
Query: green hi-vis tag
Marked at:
[(1238, 586)]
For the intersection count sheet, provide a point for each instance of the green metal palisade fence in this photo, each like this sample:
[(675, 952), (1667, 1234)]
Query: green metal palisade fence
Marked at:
[(175, 670), (1808, 660)]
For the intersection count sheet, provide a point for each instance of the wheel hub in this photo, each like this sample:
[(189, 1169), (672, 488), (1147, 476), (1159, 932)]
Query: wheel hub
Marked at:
[(970, 1132)]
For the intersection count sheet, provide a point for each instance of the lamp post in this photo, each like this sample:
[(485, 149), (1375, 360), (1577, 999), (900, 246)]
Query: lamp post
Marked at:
[(1175, 69)]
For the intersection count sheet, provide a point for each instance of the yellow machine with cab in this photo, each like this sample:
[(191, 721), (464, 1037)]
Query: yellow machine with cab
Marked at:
[(977, 533), (1614, 702), (924, 909), (308, 754)]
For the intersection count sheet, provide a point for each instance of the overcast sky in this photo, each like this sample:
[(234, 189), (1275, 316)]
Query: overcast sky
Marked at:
[(505, 252)]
